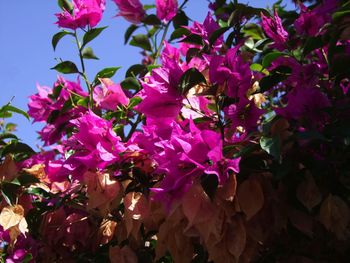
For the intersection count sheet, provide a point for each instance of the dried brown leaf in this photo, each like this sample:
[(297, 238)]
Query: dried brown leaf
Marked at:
[(335, 216), (250, 197), (308, 192), (8, 169), (122, 255)]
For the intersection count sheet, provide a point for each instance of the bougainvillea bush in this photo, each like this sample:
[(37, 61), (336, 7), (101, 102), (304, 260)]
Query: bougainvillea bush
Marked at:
[(229, 142)]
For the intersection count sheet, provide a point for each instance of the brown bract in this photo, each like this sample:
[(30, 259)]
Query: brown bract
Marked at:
[(250, 197), (12, 219), (8, 169)]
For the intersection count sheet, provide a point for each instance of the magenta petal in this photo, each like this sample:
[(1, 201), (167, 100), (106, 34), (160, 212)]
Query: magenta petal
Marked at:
[(166, 9)]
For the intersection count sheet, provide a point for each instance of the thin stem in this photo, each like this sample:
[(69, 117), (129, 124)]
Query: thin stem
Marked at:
[(220, 122), (183, 4), (134, 127), (152, 38), (83, 74), (159, 49)]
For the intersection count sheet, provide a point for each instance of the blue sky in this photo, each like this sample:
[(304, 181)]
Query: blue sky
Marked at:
[(26, 54)]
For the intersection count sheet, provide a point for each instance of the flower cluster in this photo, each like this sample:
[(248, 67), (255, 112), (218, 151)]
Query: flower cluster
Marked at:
[(231, 145)]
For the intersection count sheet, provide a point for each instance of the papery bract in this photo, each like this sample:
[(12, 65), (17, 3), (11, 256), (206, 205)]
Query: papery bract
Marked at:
[(166, 9), (204, 30), (244, 114), (110, 95), (186, 156), (274, 29), (95, 144), (40, 105), (306, 103), (66, 231), (310, 22), (161, 99), (131, 10), (84, 13), (101, 189)]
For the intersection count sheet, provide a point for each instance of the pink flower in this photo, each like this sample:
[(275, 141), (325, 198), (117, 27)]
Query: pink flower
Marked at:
[(109, 95), (47, 107), (65, 230), (204, 30), (306, 104), (274, 29), (85, 13), (131, 10), (40, 105), (162, 101), (95, 144), (310, 22), (244, 114), (233, 70), (187, 155), (166, 9)]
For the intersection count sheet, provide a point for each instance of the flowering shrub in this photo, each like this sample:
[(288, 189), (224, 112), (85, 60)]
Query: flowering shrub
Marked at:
[(229, 142)]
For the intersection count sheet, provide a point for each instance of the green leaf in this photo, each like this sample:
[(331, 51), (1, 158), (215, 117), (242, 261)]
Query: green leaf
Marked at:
[(141, 41), (56, 92), (272, 146), (5, 136), (253, 30), (106, 73), (249, 43), (92, 34), (148, 7), (340, 64), (38, 192), (337, 16), (210, 184), (66, 5), (276, 76), (27, 258), (270, 57), (10, 127), (83, 102), (133, 102), (88, 53), (10, 108), (180, 20), (152, 31), (16, 147), (191, 53), (53, 116), (193, 39), (216, 34), (57, 37), (256, 67), (312, 43), (152, 67), (135, 70), (245, 11), (5, 114), (9, 191), (66, 67), (27, 179), (131, 29), (311, 135), (189, 79), (230, 39), (178, 33), (130, 83), (246, 150), (151, 20)]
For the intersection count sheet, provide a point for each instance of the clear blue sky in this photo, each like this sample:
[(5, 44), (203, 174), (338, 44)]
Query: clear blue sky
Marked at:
[(26, 55)]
